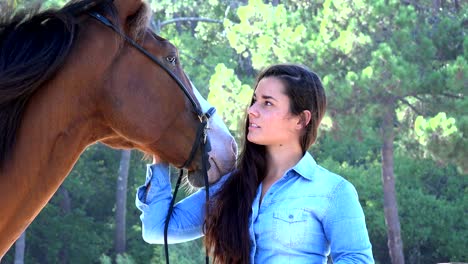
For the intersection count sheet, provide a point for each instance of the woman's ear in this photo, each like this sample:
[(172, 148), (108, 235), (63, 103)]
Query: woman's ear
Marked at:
[(304, 119)]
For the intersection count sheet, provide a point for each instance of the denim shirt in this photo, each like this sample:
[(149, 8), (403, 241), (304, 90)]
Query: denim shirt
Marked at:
[(305, 216)]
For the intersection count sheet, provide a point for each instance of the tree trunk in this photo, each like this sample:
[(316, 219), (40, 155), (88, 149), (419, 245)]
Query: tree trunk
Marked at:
[(436, 5), (121, 202), (65, 202), (457, 5), (395, 244), (19, 248), (65, 207)]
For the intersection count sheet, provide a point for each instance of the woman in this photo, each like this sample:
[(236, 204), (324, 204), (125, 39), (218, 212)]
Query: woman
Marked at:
[(278, 205)]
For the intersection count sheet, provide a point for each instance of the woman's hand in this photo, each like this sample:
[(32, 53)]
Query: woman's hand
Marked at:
[(157, 159)]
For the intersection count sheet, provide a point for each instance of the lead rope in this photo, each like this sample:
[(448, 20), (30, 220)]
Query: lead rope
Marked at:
[(207, 192)]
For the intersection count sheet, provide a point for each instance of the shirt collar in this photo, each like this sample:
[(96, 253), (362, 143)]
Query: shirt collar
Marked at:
[(306, 166)]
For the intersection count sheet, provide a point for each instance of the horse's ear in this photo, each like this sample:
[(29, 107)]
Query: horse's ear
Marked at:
[(127, 8)]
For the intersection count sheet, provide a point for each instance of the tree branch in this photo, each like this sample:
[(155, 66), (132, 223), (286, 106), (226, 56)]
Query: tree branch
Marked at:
[(419, 98), (182, 19), (416, 94), (403, 100), (456, 96)]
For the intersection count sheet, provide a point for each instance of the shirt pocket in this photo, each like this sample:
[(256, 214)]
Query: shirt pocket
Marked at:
[(290, 227)]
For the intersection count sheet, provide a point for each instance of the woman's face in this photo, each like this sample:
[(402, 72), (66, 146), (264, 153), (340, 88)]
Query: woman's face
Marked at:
[(270, 121)]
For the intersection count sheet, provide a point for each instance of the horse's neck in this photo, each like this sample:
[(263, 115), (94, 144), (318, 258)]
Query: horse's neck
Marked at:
[(53, 133), (57, 126)]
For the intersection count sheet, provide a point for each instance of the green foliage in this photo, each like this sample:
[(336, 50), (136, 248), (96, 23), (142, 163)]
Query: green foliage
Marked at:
[(442, 139), (226, 94), (270, 34), (48, 238), (54, 3), (202, 45), (431, 199), (440, 123), (124, 259), (104, 259)]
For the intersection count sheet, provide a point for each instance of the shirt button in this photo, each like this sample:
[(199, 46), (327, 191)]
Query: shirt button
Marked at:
[(291, 216)]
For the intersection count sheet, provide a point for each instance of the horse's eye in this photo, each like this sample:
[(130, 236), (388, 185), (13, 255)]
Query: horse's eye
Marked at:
[(171, 59)]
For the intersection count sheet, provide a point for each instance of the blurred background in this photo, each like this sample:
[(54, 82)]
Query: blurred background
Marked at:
[(396, 78)]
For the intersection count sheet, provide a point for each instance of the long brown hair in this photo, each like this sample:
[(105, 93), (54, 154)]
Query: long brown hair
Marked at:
[(227, 223)]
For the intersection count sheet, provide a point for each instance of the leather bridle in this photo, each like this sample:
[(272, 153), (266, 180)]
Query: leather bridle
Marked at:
[(201, 138)]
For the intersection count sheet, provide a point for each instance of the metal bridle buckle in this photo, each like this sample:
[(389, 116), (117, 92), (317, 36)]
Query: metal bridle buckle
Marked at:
[(204, 119)]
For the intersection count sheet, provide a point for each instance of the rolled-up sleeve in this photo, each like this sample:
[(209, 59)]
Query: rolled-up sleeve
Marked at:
[(153, 200)]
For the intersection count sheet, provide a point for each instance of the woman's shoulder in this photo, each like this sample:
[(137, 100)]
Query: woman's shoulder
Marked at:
[(330, 182)]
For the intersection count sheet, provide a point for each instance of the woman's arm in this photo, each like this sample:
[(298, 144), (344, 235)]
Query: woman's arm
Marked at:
[(345, 227), (153, 200)]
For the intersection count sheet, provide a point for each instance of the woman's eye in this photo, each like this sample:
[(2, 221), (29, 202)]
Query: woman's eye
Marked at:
[(171, 59), (268, 103)]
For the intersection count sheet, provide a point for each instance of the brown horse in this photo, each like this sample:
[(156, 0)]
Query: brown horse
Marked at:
[(68, 81)]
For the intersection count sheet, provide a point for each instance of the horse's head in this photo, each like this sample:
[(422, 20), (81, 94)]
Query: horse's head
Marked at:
[(142, 106)]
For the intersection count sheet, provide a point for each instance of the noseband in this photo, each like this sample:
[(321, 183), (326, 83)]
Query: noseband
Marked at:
[(200, 138)]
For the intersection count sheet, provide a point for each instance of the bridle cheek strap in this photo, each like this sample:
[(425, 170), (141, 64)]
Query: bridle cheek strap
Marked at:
[(109, 24)]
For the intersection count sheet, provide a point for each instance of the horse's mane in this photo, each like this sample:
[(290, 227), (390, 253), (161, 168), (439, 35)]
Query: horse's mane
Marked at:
[(33, 46)]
